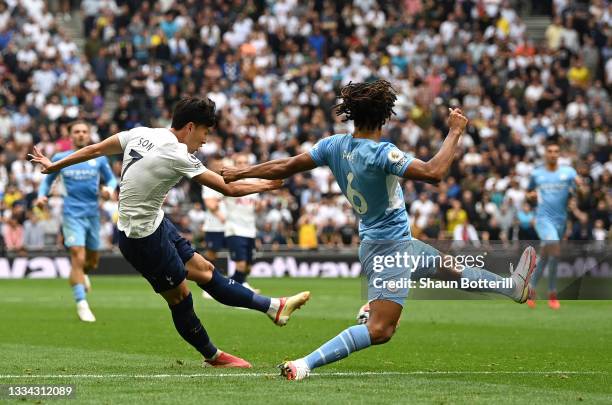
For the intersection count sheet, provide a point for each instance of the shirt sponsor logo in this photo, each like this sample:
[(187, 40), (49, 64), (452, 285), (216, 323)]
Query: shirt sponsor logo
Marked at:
[(79, 174)]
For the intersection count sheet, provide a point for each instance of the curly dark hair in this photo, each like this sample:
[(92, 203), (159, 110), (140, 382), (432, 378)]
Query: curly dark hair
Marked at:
[(369, 105)]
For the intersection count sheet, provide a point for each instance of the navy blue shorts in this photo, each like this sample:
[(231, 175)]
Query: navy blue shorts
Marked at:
[(214, 241), (159, 257), (241, 248)]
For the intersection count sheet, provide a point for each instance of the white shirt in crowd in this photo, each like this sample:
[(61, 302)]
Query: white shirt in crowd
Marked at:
[(212, 223), (424, 209), (153, 162), (240, 218)]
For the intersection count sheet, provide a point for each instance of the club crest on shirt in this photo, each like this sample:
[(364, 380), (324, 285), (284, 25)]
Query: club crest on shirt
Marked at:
[(92, 163)]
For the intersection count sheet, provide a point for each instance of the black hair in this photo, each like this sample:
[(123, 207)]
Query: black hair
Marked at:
[(199, 110), (369, 105), (552, 140)]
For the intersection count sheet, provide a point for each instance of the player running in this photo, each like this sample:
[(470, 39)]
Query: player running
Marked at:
[(367, 171), (551, 184), (154, 160), (81, 216)]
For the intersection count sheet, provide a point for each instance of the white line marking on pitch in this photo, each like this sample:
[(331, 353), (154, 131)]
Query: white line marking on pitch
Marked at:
[(333, 374)]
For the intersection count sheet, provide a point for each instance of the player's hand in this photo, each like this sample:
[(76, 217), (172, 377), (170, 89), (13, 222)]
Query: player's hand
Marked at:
[(456, 120), (532, 196), (41, 202), (230, 174), (37, 157), (106, 193)]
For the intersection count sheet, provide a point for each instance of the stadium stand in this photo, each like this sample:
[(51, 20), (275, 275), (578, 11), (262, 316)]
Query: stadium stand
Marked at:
[(273, 69)]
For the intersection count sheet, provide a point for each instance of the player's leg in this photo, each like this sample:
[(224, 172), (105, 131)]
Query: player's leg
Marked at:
[(441, 266), (379, 329), (156, 258), (553, 261), (249, 252), (92, 259), (186, 322), (92, 245), (190, 328), (77, 282), (239, 252), (74, 231), (211, 256), (229, 292), (550, 235), (542, 262), (240, 275), (385, 300), (212, 244)]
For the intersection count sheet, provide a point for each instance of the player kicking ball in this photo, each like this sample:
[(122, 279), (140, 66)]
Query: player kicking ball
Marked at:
[(367, 171), (81, 216), (154, 160), (551, 185)]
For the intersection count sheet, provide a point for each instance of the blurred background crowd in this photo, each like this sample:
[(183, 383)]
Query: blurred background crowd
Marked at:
[(274, 68)]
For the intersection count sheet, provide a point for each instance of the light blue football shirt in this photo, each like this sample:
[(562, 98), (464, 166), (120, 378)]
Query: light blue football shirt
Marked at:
[(367, 173), (81, 182), (553, 190)]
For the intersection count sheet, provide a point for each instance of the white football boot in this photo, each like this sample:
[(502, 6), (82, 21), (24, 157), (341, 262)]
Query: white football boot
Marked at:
[(84, 312), (294, 370), (281, 308), (522, 275)]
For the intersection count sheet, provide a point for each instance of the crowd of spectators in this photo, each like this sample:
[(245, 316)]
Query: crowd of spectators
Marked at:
[(273, 69)]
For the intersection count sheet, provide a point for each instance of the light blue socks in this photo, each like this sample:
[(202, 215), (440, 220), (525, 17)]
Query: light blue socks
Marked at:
[(350, 340), (475, 274), (78, 291)]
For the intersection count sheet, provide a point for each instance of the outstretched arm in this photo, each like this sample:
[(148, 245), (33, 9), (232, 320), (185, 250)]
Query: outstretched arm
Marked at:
[(110, 146), (434, 169), (45, 185), (272, 170), (45, 188), (215, 181)]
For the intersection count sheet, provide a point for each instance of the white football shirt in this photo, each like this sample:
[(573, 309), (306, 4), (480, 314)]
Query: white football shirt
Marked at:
[(153, 162), (240, 217), (213, 223)]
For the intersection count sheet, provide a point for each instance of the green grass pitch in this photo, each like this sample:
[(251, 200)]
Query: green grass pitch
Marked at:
[(481, 351)]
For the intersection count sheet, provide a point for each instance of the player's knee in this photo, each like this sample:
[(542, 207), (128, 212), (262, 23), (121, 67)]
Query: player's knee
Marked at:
[(78, 259), (91, 264), (176, 295), (380, 333), (199, 269)]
